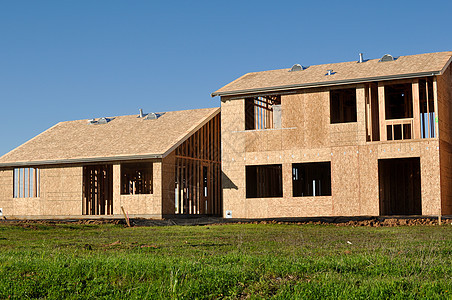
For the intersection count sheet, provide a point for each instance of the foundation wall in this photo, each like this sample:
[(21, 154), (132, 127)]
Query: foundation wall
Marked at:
[(307, 136)]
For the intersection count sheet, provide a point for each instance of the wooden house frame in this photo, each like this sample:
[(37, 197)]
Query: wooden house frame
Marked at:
[(154, 166), (368, 137)]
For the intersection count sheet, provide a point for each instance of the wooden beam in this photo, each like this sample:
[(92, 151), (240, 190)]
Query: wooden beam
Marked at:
[(416, 111), (382, 111), (435, 103)]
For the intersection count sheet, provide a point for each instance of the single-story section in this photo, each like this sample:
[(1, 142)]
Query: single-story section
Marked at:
[(152, 165)]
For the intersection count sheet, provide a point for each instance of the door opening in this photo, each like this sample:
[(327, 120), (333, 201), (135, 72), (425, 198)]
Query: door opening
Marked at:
[(98, 190), (400, 186)]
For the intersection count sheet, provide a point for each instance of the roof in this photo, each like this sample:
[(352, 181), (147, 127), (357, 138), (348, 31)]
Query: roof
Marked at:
[(124, 137), (346, 72)]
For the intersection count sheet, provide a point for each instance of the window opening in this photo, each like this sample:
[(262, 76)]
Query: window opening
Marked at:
[(343, 106), (399, 111), (260, 112), (136, 178), (26, 183), (427, 108), (264, 181), (398, 101), (311, 179)]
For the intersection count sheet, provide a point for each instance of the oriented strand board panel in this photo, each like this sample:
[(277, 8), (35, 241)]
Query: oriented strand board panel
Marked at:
[(139, 204), (368, 180), (122, 136), (444, 98), (316, 125), (446, 177), (280, 79), (345, 183), (6, 191), (61, 191), (430, 177)]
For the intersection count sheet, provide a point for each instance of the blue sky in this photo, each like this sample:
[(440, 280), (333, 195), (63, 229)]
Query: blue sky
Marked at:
[(66, 60)]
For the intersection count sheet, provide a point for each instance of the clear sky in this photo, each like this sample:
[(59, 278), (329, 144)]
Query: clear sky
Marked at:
[(67, 60)]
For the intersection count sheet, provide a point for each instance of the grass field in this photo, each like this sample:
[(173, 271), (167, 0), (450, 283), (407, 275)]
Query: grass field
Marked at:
[(225, 261)]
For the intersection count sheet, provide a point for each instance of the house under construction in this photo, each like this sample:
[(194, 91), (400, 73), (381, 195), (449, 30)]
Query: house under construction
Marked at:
[(150, 165), (367, 137)]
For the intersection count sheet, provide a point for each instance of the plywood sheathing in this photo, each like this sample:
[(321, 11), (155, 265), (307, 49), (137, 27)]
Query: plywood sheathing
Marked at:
[(443, 110), (123, 136), (60, 194), (430, 177), (6, 191), (429, 62), (138, 204), (355, 173)]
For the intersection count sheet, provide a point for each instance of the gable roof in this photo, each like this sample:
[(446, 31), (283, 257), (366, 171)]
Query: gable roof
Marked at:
[(344, 73), (123, 138)]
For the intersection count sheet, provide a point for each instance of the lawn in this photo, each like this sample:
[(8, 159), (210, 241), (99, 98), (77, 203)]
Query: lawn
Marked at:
[(233, 261)]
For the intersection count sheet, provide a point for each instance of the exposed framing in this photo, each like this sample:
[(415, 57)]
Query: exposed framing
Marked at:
[(198, 172), (98, 190), (26, 182), (259, 112)]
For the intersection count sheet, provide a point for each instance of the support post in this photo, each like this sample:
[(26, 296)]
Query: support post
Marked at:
[(416, 111), (382, 112)]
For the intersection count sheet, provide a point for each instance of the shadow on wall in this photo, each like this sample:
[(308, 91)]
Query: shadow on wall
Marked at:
[(227, 183)]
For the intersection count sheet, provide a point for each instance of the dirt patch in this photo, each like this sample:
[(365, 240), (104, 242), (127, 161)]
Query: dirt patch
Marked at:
[(337, 221)]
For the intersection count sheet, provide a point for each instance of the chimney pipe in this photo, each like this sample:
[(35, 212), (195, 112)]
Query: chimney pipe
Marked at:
[(361, 59), (141, 113)]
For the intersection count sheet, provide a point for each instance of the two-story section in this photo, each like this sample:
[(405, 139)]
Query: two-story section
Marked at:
[(367, 137)]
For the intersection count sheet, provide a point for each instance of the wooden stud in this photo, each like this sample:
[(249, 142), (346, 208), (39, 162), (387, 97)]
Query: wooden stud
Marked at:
[(435, 104), (382, 112), (416, 112)]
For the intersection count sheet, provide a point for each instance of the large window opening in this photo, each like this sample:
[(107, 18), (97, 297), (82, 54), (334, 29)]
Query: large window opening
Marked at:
[(398, 101), (400, 186), (399, 108), (343, 105), (26, 183), (264, 181), (311, 179), (427, 108), (136, 178), (263, 112)]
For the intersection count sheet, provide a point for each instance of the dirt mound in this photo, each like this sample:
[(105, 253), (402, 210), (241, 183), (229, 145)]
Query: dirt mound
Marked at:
[(372, 222)]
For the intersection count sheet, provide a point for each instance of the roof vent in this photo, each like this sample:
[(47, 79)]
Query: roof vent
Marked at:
[(330, 72), (361, 58), (99, 121), (141, 113), (387, 57), (297, 67), (153, 116)]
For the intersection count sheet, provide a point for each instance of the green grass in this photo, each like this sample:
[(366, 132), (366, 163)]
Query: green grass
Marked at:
[(225, 261)]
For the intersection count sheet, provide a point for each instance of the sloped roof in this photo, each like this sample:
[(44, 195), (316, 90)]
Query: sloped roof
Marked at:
[(125, 137), (345, 72)]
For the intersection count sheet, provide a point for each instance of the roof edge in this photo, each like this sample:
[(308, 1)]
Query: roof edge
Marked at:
[(192, 131), (79, 160), (330, 83)]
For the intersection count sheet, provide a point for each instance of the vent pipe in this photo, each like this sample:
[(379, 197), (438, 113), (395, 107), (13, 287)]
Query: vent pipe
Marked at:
[(361, 58), (141, 113), (329, 72)]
